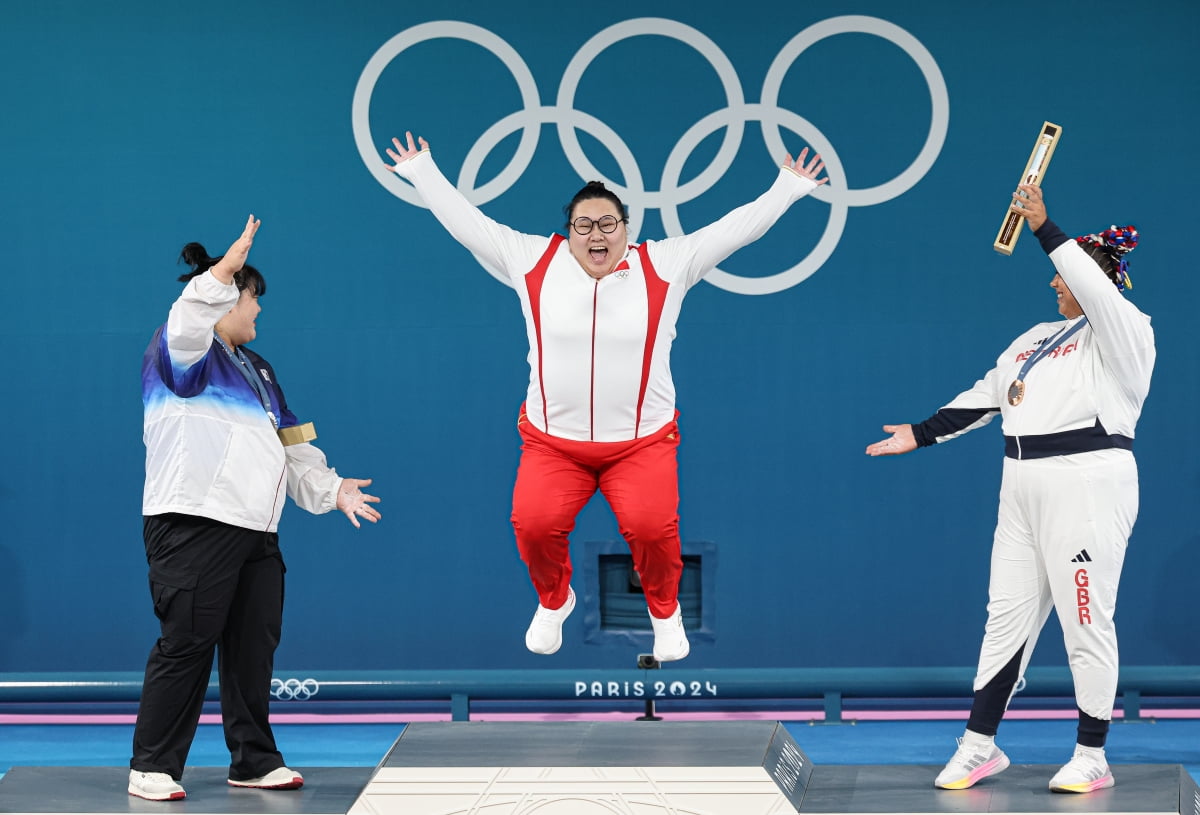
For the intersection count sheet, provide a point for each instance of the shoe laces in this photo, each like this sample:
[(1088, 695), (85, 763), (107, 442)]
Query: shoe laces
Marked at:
[(1091, 765), (971, 756)]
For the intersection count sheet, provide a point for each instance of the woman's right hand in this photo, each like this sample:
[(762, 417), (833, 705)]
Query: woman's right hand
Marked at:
[(901, 441), (402, 154), (234, 259)]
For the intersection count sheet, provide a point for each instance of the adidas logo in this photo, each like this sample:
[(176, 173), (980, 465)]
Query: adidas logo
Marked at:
[(1082, 557)]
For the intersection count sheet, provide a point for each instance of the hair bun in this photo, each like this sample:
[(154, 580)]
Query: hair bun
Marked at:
[(1112, 245), (196, 256), (1120, 239)]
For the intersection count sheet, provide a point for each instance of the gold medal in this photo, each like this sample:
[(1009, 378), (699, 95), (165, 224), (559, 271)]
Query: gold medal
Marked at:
[(1016, 392), (297, 434)]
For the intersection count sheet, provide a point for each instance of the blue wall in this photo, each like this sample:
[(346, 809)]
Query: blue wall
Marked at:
[(126, 134)]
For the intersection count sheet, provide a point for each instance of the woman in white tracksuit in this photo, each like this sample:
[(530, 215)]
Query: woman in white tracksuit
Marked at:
[(1069, 394)]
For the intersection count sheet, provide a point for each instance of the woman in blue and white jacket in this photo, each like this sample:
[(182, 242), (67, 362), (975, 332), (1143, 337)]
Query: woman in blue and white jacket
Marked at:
[(220, 459)]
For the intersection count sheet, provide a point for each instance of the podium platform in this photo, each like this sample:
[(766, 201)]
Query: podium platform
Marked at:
[(604, 768), (714, 768)]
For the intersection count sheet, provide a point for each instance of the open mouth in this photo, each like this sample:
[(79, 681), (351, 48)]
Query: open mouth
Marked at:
[(598, 254)]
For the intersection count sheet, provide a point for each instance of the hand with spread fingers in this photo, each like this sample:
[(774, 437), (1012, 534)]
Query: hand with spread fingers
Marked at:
[(354, 503), (805, 168), (402, 153)]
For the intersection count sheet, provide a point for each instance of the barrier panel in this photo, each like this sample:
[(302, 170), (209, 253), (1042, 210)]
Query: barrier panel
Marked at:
[(459, 688)]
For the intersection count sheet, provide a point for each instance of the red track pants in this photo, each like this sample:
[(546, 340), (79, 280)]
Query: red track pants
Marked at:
[(640, 481)]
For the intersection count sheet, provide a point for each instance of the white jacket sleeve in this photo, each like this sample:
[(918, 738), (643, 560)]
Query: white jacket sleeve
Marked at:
[(311, 483), (700, 251), (503, 251), (1123, 332), (204, 301)]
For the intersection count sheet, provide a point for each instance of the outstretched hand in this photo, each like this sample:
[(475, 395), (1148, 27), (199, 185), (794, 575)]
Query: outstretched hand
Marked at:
[(402, 154), (901, 441), (810, 170), (353, 502), (235, 258), (1028, 201)]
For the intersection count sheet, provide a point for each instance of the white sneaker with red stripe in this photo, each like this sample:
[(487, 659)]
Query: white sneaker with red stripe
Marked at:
[(154, 786), (278, 779)]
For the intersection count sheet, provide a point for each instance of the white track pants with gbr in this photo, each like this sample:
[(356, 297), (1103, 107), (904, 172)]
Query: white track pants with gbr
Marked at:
[(1063, 526)]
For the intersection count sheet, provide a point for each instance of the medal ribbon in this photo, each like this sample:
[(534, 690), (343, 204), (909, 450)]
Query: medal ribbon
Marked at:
[(251, 375), (1048, 346)]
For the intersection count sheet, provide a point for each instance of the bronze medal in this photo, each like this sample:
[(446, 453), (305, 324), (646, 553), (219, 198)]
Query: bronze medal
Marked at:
[(1016, 392)]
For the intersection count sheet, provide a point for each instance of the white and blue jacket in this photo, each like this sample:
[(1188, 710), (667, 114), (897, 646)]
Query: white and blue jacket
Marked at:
[(211, 448)]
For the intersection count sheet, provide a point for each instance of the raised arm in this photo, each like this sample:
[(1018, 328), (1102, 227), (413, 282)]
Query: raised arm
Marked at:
[(1124, 334), (700, 251), (503, 251), (234, 259), (204, 301)]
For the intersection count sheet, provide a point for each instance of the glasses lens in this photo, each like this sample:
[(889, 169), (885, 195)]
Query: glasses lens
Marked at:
[(607, 223), (582, 225)]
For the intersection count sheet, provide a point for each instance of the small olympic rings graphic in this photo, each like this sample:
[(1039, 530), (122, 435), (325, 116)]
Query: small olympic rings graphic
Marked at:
[(670, 193), (294, 690)]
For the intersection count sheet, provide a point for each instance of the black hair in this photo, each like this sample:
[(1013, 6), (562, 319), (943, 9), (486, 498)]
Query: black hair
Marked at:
[(595, 189), (196, 256), (1105, 258)]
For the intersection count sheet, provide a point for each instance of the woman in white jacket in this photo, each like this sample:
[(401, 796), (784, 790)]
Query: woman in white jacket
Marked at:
[(222, 450), (1069, 394), (599, 411)]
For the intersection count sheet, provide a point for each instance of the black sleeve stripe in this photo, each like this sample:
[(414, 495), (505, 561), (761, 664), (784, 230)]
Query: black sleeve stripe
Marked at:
[(1050, 236), (947, 422)]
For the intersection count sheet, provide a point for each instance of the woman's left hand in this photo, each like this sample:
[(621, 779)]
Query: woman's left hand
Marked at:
[(353, 502), (810, 170), (1028, 201), (403, 153)]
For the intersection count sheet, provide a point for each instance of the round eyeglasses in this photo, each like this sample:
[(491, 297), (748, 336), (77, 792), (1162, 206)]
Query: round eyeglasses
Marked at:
[(606, 223)]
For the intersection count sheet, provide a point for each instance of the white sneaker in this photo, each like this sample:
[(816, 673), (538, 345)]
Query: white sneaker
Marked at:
[(278, 779), (154, 786), (670, 640), (1087, 771), (545, 632), (977, 757)]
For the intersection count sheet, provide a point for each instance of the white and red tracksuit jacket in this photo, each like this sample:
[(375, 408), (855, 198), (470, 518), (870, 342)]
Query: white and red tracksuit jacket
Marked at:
[(599, 350)]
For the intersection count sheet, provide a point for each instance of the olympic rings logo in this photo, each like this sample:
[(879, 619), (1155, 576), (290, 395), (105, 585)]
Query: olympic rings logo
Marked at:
[(294, 690), (670, 194)]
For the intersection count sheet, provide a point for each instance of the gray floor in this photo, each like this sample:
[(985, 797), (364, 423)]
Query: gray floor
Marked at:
[(1151, 788), (1141, 788), (79, 790)]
